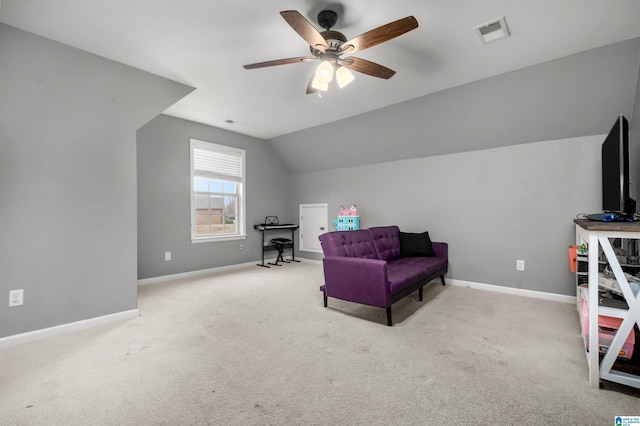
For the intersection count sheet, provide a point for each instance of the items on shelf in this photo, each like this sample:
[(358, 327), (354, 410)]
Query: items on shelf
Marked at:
[(607, 328), (574, 252), (607, 280)]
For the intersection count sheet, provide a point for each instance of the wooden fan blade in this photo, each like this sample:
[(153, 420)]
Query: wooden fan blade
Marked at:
[(367, 67), (280, 62), (380, 35), (303, 27)]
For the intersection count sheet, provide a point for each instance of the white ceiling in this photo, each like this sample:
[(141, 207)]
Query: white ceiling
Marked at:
[(204, 44)]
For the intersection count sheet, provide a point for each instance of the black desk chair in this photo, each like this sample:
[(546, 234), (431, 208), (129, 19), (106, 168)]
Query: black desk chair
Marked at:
[(280, 244)]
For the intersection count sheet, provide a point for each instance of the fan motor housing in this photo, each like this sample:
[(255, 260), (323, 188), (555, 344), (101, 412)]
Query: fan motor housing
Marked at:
[(335, 36), (334, 39), (327, 19)]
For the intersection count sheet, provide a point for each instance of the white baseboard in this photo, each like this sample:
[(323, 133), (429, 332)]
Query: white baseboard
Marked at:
[(44, 333), (191, 274), (32, 336), (515, 291)]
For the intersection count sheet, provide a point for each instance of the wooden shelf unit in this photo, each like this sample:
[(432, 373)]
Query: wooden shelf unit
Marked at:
[(597, 235)]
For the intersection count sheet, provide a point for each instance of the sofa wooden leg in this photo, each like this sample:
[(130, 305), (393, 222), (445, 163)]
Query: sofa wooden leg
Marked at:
[(442, 278), (420, 294), (389, 322), (324, 294)]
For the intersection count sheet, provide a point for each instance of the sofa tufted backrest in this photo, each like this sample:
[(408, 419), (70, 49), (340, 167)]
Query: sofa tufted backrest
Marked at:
[(386, 240), (348, 244)]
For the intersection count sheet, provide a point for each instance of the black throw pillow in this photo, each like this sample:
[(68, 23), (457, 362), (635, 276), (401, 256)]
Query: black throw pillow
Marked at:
[(412, 244)]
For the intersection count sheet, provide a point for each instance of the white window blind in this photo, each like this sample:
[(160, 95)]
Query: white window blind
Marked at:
[(226, 164)]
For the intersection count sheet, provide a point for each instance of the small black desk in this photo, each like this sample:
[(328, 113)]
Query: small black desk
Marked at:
[(266, 228)]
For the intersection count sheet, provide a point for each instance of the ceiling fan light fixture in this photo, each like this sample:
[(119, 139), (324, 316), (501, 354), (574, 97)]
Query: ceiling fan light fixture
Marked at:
[(328, 46), (343, 76), (319, 85), (324, 72)]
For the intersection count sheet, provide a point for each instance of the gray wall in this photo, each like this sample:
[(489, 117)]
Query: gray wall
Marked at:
[(574, 96), (164, 203), (532, 163), (492, 206), (68, 179)]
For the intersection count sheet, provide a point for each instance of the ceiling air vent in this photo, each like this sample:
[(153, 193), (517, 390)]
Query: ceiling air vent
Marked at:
[(493, 30)]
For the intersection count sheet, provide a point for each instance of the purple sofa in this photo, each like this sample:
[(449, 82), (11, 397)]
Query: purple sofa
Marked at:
[(366, 266)]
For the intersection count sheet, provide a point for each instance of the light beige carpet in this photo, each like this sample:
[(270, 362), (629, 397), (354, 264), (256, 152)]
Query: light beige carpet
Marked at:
[(256, 347)]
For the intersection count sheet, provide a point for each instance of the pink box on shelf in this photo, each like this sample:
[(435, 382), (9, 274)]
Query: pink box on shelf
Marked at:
[(607, 328)]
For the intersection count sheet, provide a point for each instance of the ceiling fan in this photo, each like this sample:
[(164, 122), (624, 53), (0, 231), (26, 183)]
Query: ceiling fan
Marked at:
[(328, 46)]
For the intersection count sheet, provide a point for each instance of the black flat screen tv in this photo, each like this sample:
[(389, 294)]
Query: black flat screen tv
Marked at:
[(615, 170)]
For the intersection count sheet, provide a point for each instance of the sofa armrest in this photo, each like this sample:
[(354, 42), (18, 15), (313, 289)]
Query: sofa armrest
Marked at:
[(357, 280), (441, 249)]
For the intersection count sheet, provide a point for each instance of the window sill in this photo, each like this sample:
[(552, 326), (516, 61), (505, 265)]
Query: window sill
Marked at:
[(215, 239)]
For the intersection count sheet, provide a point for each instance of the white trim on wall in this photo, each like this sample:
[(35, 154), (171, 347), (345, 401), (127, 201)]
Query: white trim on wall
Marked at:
[(35, 335), (191, 274), (459, 283), (515, 291), (32, 336)]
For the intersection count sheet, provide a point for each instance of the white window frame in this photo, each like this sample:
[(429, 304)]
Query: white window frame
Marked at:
[(240, 214)]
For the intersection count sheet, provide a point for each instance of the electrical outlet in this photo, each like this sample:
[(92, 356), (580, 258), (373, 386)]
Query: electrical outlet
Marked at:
[(16, 297), (520, 265), (167, 255), (241, 246)]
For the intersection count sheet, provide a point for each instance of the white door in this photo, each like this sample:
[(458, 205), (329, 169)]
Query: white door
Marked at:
[(313, 222)]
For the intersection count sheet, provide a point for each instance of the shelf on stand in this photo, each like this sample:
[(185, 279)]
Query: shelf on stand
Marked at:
[(609, 367)]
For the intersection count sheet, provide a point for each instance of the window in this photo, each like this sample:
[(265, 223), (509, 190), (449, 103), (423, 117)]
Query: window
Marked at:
[(217, 192)]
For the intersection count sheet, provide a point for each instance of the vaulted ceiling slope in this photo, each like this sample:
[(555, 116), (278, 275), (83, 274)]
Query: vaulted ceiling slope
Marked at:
[(577, 95), (204, 44)]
